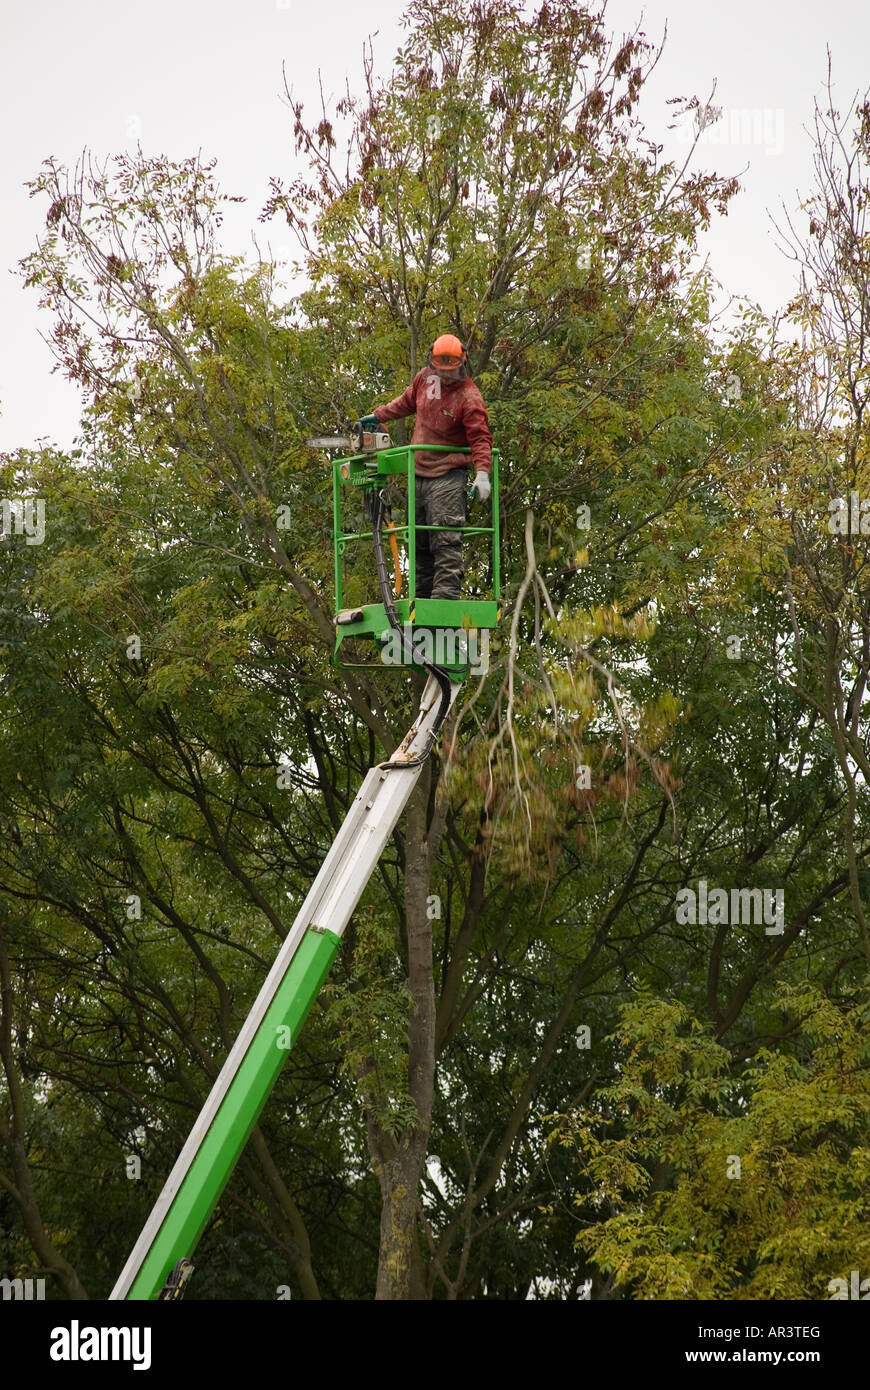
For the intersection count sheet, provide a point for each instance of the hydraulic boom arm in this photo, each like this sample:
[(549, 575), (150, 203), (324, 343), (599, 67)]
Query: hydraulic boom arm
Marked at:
[(221, 1131)]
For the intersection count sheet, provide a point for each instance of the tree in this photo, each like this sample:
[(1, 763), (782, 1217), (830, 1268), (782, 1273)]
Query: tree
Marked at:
[(172, 638), (701, 1182)]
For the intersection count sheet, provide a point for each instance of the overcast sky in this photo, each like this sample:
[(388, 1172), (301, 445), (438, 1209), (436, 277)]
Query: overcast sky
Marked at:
[(179, 76)]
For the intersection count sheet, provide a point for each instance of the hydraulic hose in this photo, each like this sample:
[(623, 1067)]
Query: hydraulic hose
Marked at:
[(377, 506), (394, 551)]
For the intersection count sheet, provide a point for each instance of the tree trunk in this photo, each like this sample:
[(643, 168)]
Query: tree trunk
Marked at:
[(400, 1272)]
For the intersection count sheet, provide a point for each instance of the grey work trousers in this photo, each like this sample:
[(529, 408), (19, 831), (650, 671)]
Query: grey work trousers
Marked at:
[(440, 502)]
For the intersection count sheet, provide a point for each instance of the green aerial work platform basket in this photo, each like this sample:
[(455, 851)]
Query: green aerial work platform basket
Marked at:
[(452, 633)]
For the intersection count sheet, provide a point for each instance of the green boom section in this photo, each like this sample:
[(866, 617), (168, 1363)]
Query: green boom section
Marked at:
[(221, 1148)]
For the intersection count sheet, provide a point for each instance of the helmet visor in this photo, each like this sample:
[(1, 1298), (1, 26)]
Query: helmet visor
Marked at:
[(446, 360)]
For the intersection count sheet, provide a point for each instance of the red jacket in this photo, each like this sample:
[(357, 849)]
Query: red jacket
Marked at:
[(448, 412)]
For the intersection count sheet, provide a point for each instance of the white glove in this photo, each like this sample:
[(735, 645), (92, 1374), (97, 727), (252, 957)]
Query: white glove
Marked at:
[(481, 487)]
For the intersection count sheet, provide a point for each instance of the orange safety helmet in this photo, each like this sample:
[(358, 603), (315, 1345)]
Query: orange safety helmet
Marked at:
[(447, 352)]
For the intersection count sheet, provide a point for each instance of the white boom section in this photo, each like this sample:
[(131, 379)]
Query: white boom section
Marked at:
[(334, 894), (358, 846)]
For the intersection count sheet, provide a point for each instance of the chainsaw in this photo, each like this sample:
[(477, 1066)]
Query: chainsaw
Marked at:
[(366, 441), (360, 440)]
